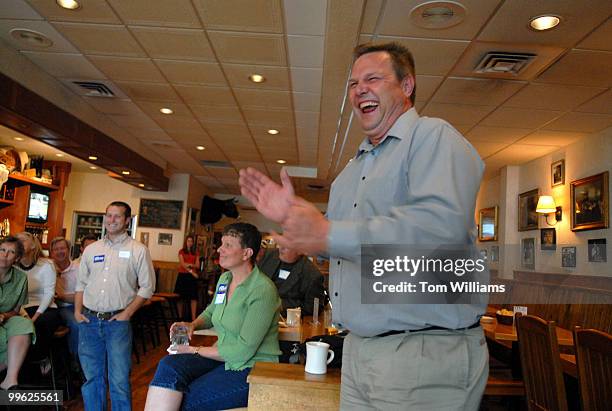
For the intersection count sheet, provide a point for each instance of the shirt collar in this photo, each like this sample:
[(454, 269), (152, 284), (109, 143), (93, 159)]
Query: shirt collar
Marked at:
[(399, 130), (118, 240)]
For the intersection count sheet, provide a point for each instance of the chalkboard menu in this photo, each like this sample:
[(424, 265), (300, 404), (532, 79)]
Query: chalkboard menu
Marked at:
[(160, 213)]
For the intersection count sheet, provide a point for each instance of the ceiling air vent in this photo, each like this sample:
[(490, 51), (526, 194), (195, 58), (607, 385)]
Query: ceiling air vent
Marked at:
[(501, 62), (217, 164), (94, 89)]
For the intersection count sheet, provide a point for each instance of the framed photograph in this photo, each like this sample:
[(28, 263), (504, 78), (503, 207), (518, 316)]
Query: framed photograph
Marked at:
[(193, 215), (160, 213), (548, 238), (487, 224), (528, 218), (484, 253), (494, 253), (597, 251), (164, 239), (144, 238), (589, 202), (528, 253), (568, 257), (557, 173)]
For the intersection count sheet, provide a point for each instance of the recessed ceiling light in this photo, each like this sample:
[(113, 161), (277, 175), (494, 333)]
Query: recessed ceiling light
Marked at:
[(257, 78), (19, 138), (273, 131), (140, 185), (125, 173), (281, 161), (93, 167), (200, 148), (68, 4), (545, 22), (94, 158), (166, 110), (59, 154)]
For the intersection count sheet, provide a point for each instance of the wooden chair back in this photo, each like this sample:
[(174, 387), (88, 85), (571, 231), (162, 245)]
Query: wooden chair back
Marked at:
[(594, 364), (540, 360)]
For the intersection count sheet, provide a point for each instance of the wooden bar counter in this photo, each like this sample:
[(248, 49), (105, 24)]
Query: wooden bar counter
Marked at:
[(274, 386)]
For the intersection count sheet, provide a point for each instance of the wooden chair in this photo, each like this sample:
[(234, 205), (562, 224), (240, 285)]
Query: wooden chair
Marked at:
[(594, 363), (541, 364)]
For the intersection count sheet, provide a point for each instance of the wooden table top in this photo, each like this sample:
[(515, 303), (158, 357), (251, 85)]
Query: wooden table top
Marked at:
[(501, 332), (293, 375), (305, 331)]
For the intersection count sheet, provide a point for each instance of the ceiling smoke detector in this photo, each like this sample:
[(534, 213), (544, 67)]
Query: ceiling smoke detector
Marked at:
[(31, 38), (437, 14), (502, 62)]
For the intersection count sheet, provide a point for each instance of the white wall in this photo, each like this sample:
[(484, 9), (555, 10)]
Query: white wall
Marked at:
[(93, 192), (592, 155)]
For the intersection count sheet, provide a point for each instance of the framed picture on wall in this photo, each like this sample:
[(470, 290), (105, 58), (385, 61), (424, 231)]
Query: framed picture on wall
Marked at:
[(487, 226), (548, 238), (164, 239), (597, 250), (568, 257), (527, 216), (144, 238), (557, 173), (494, 253), (589, 203), (528, 253)]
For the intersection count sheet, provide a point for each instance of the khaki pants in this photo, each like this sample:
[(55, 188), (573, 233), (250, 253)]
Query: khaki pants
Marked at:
[(430, 370)]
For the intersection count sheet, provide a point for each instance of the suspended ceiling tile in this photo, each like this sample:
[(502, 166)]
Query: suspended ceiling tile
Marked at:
[(255, 15), (249, 48), (129, 69), (306, 79), (193, 138), (101, 39), (209, 181), (65, 65), (223, 172), (176, 124), (113, 105), (253, 98), (511, 22), (517, 117), (178, 44), (552, 138), (192, 72), (275, 141), (521, 153), (581, 67), (601, 104), (277, 78), (307, 101), (467, 64), (457, 114), (268, 117), (487, 148), (221, 131), (581, 122), (426, 85), (91, 11), (149, 134), (476, 91), (305, 17), (285, 133), (133, 121), (303, 118), (306, 51), (599, 39), (148, 91), (60, 44), (195, 94), (18, 9), (552, 97), (371, 10), (431, 57), (504, 135), (212, 113), (176, 13), (396, 20)]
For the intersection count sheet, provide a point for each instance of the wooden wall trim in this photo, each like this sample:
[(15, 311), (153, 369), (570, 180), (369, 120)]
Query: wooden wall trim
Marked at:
[(567, 280)]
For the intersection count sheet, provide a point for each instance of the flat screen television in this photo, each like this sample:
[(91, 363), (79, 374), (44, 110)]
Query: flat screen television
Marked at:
[(39, 208)]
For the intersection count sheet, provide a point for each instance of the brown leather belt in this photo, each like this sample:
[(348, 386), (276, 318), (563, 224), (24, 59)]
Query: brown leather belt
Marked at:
[(100, 315)]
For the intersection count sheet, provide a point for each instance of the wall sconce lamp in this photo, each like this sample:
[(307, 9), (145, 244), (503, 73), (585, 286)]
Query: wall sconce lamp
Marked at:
[(546, 205)]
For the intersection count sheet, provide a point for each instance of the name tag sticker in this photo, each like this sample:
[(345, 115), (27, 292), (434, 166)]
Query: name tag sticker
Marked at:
[(124, 254), (220, 297), (283, 274), (98, 258)]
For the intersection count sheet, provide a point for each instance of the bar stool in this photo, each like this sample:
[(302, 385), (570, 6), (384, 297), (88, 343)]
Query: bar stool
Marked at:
[(172, 299)]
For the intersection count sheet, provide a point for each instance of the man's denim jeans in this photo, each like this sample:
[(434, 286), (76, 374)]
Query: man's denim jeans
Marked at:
[(67, 315), (106, 345)]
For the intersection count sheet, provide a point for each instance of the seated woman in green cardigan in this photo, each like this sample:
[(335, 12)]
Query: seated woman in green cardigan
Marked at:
[(244, 312), (16, 332)]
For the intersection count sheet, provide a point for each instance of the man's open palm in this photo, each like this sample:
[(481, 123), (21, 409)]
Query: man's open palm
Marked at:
[(269, 198)]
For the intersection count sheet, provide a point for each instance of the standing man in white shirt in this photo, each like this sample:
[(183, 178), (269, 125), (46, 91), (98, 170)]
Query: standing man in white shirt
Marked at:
[(116, 277)]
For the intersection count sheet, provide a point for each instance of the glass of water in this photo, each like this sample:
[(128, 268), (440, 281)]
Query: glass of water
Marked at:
[(179, 336)]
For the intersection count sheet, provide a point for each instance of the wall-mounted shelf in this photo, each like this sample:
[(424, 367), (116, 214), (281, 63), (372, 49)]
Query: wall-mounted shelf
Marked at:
[(20, 180)]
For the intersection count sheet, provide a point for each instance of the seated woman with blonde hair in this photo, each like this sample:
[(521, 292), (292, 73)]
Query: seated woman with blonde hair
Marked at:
[(16, 332), (244, 312)]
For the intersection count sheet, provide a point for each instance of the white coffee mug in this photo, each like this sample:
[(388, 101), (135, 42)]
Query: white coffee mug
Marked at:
[(293, 316), (317, 357)]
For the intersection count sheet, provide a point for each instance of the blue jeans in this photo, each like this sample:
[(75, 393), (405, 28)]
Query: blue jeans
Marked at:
[(106, 345), (205, 383), (67, 315)]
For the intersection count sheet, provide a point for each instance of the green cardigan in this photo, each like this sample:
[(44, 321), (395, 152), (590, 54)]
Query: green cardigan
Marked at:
[(247, 327)]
